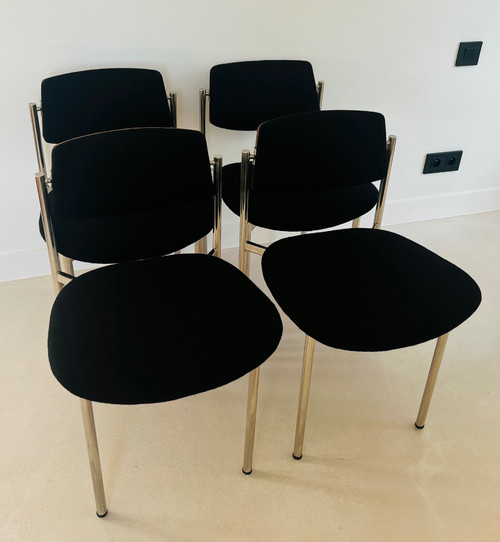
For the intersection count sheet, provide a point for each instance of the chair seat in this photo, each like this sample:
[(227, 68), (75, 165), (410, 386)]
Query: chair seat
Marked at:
[(299, 212), (367, 290), (157, 330), (113, 238)]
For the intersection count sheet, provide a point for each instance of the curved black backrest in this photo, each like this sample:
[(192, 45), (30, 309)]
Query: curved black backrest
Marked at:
[(245, 94), (86, 102), (320, 150), (148, 191)]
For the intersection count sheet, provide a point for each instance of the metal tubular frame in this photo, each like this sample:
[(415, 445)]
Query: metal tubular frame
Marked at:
[(200, 247), (243, 259), (253, 393), (66, 264), (60, 278), (94, 459), (62, 273), (254, 248), (55, 267), (35, 123), (245, 246), (217, 176), (305, 386), (431, 380), (203, 111), (172, 98), (320, 87), (384, 183)]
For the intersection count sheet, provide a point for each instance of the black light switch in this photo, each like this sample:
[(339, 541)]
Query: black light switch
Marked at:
[(468, 53)]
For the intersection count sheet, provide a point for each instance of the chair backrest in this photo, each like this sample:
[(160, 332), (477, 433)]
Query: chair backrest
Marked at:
[(130, 194), (90, 101), (245, 94), (320, 150)]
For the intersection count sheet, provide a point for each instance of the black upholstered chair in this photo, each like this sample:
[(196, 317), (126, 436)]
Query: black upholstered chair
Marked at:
[(147, 328), (84, 102), (366, 290), (310, 171), (243, 95)]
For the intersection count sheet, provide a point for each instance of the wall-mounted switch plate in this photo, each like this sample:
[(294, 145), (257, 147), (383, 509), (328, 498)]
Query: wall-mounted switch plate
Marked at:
[(468, 53), (439, 162)]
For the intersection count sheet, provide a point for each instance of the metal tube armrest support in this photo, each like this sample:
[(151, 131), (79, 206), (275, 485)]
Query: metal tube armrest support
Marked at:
[(203, 111), (384, 183), (217, 176)]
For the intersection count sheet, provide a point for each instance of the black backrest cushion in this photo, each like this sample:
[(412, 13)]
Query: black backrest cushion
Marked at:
[(320, 150), (129, 171), (90, 101), (115, 184), (245, 94)]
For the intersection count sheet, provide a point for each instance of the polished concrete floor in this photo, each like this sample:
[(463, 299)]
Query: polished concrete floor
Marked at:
[(173, 471)]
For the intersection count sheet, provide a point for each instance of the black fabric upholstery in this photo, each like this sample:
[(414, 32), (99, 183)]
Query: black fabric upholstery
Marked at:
[(245, 94), (367, 290), (133, 236), (312, 170), (127, 194), (299, 211), (160, 329), (320, 150), (90, 101)]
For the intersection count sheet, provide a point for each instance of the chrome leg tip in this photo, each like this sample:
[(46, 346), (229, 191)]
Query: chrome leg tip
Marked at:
[(102, 515), (297, 457), (247, 473), (419, 426)]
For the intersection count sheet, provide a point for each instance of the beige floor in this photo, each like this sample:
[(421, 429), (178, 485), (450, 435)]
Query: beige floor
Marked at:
[(172, 471)]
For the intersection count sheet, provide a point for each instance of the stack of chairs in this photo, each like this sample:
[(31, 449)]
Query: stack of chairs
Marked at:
[(124, 187)]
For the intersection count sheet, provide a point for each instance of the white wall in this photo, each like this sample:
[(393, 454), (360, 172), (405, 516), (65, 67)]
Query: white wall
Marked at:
[(392, 56)]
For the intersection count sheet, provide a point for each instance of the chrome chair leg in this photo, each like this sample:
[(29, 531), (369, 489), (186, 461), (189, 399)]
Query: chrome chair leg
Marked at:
[(355, 222), (305, 386), (253, 392), (200, 247), (67, 266), (93, 452), (431, 380), (247, 253)]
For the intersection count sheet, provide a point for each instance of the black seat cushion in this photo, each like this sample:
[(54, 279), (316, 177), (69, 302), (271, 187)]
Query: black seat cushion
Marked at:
[(367, 290), (161, 329), (299, 211)]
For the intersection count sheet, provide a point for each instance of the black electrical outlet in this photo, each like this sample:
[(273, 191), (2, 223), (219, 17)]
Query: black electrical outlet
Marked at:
[(439, 162), (468, 53)]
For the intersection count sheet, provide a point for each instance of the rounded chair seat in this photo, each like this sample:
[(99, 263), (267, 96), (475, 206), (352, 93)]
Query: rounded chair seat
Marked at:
[(367, 290), (160, 329), (302, 211)]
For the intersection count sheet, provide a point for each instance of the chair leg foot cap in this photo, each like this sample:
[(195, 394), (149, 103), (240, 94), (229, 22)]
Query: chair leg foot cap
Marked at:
[(102, 515), (419, 426), (247, 473), (297, 457)]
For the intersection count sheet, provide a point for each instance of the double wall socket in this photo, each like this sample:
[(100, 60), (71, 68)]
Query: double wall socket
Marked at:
[(439, 162)]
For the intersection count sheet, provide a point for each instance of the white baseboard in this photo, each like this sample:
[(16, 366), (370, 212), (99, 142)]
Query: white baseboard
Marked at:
[(441, 206), (33, 263), (398, 211)]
